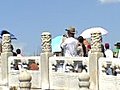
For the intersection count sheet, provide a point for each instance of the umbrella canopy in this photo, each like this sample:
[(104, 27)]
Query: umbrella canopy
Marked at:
[(56, 44), (6, 32), (87, 33)]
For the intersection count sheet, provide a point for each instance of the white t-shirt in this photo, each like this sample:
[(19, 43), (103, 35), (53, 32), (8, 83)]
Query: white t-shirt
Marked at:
[(70, 46), (109, 53), (19, 55)]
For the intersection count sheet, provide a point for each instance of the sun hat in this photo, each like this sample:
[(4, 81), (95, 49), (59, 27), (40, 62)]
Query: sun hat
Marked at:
[(71, 29)]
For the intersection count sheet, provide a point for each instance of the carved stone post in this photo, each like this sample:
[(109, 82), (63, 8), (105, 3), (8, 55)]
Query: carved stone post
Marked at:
[(6, 52), (25, 79), (96, 41), (46, 53), (84, 81)]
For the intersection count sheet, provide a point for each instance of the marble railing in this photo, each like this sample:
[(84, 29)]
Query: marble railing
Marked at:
[(109, 73), (68, 64), (64, 72), (16, 64)]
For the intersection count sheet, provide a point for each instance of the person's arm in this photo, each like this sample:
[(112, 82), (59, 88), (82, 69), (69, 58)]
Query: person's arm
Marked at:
[(63, 44)]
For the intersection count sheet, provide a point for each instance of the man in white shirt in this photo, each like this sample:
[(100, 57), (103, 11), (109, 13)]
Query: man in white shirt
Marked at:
[(108, 52), (70, 44)]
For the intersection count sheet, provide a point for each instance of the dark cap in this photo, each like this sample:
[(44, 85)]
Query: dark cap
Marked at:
[(117, 44)]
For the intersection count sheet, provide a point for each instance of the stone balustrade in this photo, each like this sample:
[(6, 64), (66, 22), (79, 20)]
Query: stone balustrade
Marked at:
[(25, 79), (84, 81), (70, 76)]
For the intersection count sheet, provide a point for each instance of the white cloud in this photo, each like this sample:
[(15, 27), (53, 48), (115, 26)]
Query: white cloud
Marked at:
[(109, 1)]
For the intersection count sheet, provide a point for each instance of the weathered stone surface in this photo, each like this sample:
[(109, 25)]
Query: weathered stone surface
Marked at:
[(62, 78), (25, 80), (109, 82), (6, 43), (6, 52), (96, 41), (14, 74), (46, 42), (45, 70)]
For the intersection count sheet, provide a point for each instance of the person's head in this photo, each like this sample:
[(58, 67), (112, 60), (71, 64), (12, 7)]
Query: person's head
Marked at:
[(80, 39), (107, 46), (86, 42), (18, 51), (117, 45), (70, 31), (4, 32)]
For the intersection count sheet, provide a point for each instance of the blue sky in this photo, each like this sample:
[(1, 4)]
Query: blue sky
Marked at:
[(27, 19)]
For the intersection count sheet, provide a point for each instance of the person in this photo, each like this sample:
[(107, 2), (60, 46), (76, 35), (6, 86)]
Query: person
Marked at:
[(87, 45), (70, 44), (108, 51), (63, 39), (33, 66), (18, 51), (81, 49), (14, 54), (103, 49), (117, 50), (7, 32), (88, 50)]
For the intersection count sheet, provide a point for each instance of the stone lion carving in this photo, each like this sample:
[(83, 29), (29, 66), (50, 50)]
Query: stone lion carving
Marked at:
[(46, 42)]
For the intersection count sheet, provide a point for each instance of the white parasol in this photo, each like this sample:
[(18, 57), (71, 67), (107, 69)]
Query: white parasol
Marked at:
[(87, 33)]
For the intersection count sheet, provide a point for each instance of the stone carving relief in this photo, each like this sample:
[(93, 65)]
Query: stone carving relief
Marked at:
[(96, 41), (6, 43), (46, 42)]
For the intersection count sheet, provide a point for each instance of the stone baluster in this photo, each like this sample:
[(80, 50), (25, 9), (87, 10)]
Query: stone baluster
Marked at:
[(46, 53), (25, 79), (46, 42), (96, 43), (6, 43), (84, 81), (6, 52)]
